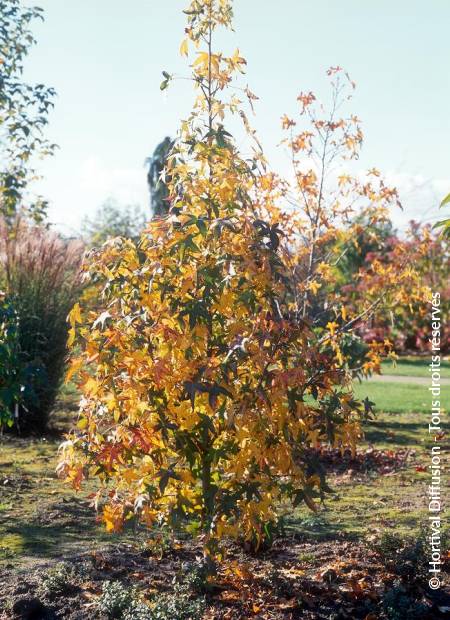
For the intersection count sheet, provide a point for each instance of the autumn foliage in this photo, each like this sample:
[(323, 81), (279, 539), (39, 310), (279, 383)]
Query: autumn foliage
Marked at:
[(406, 324), (223, 352)]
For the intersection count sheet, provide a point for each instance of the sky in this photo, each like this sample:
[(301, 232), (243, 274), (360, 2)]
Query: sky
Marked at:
[(105, 57)]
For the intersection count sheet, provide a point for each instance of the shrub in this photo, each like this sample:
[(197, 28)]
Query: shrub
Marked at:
[(407, 556), (404, 555), (16, 377), (122, 603), (39, 273), (407, 325), (137, 611), (196, 578), (398, 603)]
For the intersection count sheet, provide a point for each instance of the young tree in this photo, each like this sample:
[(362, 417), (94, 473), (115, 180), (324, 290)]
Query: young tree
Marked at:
[(23, 111), (206, 382)]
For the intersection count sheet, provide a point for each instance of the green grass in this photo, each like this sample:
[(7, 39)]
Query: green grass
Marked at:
[(396, 397), (413, 367), (359, 509), (403, 397), (365, 504), (40, 516), (372, 503)]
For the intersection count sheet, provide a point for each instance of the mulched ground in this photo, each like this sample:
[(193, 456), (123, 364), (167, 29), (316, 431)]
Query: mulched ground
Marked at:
[(365, 461), (338, 580)]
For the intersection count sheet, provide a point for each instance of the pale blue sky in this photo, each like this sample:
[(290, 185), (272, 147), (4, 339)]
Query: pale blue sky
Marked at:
[(105, 57)]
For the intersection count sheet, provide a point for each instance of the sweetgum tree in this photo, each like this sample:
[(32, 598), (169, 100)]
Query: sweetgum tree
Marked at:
[(205, 381)]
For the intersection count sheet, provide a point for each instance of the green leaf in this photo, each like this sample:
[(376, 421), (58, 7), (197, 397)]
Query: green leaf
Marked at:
[(445, 225), (445, 201), (441, 223), (164, 480), (200, 223)]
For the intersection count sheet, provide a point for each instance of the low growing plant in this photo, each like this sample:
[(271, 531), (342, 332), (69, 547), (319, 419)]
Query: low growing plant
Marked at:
[(177, 604), (115, 599), (58, 580), (408, 556), (399, 603)]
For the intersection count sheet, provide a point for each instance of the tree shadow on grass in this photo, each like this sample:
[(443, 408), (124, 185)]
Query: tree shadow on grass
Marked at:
[(60, 528), (316, 528), (398, 433)]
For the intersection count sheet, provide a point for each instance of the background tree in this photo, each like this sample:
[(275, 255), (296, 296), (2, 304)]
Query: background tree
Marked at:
[(157, 179), (113, 220), (23, 111)]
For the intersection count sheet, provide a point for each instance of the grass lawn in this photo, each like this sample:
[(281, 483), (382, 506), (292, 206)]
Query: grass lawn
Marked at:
[(374, 502), (395, 397), (413, 367), (41, 517), (371, 503)]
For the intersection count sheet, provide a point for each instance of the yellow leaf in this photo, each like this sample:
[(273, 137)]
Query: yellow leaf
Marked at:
[(71, 339), (314, 286), (75, 366), (202, 59), (113, 518), (75, 315), (91, 386), (184, 48), (332, 326)]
